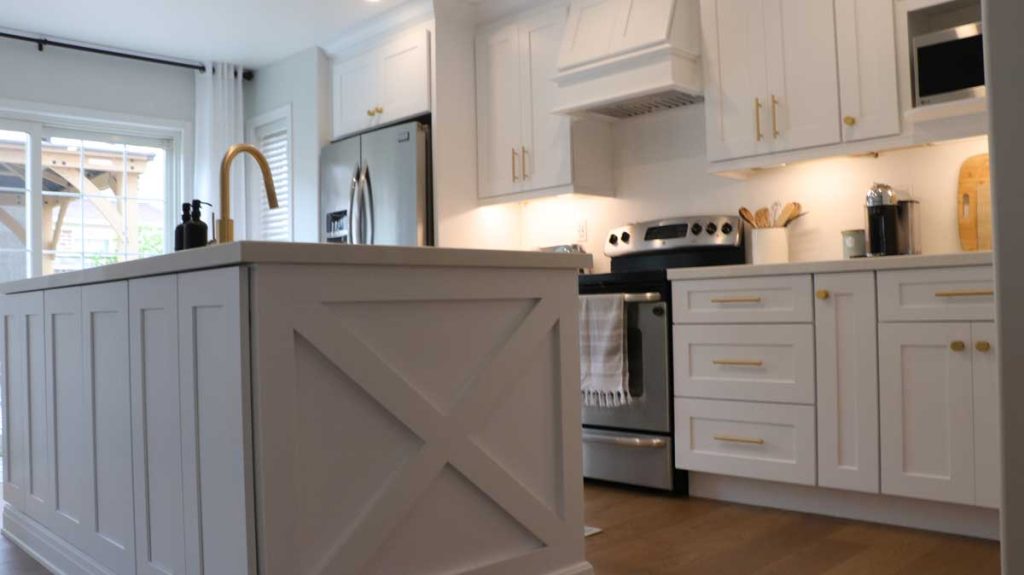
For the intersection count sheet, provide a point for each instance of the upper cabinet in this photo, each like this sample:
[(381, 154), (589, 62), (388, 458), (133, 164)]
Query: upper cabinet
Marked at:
[(523, 148), (785, 75), (382, 85)]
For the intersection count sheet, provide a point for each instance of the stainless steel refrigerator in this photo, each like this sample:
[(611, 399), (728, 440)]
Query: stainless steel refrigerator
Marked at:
[(375, 188)]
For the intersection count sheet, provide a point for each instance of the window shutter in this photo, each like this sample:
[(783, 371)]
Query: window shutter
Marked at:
[(274, 140)]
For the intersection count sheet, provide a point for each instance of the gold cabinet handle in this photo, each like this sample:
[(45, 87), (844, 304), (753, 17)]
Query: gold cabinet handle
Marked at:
[(738, 439), (983, 346), (371, 112), (958, 346), (522, 161), (751, 299), (378, 110), (823, 294), (966, 293), (850, 121), (775, 119), (739, 362), (515, 154), (757, 119)]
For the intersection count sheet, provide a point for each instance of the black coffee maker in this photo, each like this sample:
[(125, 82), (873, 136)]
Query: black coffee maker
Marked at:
[(883, 221)]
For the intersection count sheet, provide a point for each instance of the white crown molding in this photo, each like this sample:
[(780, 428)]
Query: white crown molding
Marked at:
[(363, 33)]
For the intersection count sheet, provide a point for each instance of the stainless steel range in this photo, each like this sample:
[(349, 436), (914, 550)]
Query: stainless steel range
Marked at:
[(632, 444)]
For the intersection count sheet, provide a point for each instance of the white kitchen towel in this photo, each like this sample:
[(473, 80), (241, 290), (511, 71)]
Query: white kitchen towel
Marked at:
[(604, 368)]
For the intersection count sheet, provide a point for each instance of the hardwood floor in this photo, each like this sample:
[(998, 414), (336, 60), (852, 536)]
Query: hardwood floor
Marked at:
[(651, 534), (14, 561)]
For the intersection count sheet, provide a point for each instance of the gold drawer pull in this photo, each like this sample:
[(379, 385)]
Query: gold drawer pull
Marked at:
[(737, 439), (823, 294), (958, 346), (752, 299), (740, 362), (966, 293), (983, 346)]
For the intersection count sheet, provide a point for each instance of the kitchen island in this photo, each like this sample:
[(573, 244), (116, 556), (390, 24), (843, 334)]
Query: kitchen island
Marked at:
[(297, 409)]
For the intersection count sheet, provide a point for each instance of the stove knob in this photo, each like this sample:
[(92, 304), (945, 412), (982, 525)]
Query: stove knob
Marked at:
[(726, 228), (625, 237), (613, 240), (696, 229), (711, 228)]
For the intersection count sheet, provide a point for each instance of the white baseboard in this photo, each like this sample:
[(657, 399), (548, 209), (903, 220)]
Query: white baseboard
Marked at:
[(583, 568), (57, 555), (901, 511)]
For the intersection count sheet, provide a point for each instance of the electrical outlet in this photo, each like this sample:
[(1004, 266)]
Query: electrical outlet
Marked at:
[(581, 231)]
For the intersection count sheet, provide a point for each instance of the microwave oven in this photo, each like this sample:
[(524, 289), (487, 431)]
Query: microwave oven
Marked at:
[(949, 65)]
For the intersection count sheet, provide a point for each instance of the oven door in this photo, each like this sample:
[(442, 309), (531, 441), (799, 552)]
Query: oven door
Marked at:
[(647, 345)]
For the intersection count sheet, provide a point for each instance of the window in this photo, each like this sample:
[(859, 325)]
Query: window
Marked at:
[(271, 133), (72, 199)]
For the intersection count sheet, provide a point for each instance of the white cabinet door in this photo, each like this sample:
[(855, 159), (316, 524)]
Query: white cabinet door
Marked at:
[(354, 89), (24, 414), (109, 525), (987, 460), (546, 159), (499, 113), (214, 358), (735, 82), (802, 102), (846, 350), (868, 92), (403, 77), (167, 541), (926, 415), (69, 416)]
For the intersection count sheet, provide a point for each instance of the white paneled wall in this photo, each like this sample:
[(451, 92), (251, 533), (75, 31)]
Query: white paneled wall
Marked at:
[(661, 172)]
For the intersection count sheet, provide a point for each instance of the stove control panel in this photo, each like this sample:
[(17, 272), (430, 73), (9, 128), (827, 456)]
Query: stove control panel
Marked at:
[(674, 234)]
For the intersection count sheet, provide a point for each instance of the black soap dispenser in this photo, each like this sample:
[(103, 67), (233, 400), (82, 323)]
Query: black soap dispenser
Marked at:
[(195, 232), (179, 232)]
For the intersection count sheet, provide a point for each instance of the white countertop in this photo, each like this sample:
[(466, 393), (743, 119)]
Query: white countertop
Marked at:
[(853, 265), (246, 253)]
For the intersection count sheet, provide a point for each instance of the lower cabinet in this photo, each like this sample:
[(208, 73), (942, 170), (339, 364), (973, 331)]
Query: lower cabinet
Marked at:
[(759, 440), (931, 425)]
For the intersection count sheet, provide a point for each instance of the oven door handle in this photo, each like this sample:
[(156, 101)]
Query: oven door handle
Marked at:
[(649, 297), (621, 441)]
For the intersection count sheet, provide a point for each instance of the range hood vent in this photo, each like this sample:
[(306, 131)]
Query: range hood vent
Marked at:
[(626, 58)]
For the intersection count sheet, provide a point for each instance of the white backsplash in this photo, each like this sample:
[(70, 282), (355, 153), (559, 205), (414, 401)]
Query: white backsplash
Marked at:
[(661, 171)]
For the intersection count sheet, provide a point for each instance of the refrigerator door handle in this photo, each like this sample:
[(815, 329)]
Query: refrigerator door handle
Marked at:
[(352, 219), (367, 208)]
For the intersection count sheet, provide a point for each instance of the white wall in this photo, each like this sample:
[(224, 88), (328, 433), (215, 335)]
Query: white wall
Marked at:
[(661, 172), (81, 80), (303, 82)]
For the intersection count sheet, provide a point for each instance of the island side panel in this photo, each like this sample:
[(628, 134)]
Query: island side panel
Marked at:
[(416, 419)]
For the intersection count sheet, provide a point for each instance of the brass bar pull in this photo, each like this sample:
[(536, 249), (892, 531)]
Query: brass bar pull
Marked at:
[(757, 119), (966, 293), (751, 299), (515, 178), (738, 439), (775, 119), (739, 362), (522, 160)]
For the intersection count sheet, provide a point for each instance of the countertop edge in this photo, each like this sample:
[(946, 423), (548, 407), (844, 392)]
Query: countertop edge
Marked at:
[(253, 253), (835, 266)]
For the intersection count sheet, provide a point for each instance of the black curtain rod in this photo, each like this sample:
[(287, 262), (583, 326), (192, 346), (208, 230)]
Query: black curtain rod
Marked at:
[(41, 43)]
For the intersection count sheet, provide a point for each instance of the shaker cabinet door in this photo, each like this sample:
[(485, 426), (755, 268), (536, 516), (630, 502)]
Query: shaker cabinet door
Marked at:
[(354, 94), (846, 349), (499, 113), (868, 92), (25, 442), (987, 460), (927, 421), (403, 77)]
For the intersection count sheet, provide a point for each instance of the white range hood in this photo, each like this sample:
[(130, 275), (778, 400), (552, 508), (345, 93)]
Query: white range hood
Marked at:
[(624, 58)]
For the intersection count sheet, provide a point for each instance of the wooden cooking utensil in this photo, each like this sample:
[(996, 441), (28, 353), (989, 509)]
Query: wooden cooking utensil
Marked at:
[(789, 211), (748, 217), (974, 175), (763, 218)]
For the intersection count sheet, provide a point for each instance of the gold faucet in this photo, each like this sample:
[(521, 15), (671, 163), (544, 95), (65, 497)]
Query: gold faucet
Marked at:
[(225, 225)]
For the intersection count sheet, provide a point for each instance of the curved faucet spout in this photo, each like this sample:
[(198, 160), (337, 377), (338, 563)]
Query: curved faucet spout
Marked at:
[(226, 226)]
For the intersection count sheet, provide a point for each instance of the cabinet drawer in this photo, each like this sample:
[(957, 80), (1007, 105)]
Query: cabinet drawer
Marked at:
[(947, 294), (749, 362), (775, 299), (757, 440)]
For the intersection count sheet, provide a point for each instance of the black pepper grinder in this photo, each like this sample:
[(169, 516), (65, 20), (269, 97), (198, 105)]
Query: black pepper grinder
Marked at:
[(179, 232), (195, 232)]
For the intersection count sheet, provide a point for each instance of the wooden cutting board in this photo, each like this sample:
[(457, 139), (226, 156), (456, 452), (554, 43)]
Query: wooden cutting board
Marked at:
[(974, 204)]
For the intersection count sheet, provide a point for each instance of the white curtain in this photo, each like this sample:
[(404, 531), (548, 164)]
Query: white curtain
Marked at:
[(219, 123)]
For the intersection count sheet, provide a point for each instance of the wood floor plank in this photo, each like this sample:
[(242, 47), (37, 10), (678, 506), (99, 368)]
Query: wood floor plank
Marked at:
[(647, 533)]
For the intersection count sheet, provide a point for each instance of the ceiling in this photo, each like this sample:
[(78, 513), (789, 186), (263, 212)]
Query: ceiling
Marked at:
[(248, 32)]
